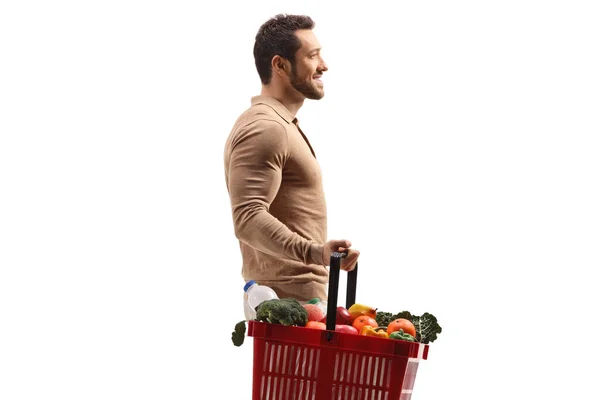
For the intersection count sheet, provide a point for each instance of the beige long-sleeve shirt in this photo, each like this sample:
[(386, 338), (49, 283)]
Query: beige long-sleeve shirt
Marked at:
[(277, 201)]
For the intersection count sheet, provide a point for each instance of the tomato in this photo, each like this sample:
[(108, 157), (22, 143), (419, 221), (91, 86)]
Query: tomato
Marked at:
[(316, 325), (364, 320), (403, 324)]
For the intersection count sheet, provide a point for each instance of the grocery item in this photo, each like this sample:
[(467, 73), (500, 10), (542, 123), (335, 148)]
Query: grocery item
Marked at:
[(357, 310), (254, 294)]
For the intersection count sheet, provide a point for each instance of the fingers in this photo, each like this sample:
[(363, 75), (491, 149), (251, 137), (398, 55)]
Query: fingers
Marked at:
[(341, 244), (349, 262)]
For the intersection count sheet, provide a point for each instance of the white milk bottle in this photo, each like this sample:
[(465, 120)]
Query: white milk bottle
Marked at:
[(254, 294)]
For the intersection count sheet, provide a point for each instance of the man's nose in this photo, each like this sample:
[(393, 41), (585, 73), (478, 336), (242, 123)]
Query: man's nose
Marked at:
[(323, 64)]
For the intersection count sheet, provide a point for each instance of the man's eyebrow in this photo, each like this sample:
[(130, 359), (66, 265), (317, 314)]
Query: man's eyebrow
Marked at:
[(315, 50)]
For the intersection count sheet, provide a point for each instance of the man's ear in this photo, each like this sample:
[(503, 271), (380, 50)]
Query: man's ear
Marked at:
[(280, 65)]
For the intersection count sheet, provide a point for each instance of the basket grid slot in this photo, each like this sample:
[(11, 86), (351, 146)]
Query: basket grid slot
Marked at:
[(342, 366), (317, 362), (368, 373), (355, 368), (265, 388), (386, 366), (313, 391), (271, 357), (336, 367), (349, 368), (286, 350), (375, 371), (305, 362), (282, 384), (290, 361), (265, 356), (274, 388), (288, 388), (388, 373), (295, 389), (361, 374), (311, 353), (296, 366), (278, 358)]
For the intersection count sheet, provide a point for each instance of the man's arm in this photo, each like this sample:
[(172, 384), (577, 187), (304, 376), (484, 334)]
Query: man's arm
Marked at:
[(255, 168)]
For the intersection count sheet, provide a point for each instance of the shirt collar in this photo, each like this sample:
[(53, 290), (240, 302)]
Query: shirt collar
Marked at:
[(276, 106)]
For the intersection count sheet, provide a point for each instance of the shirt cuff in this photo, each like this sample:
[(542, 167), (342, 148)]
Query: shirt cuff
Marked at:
[(317, 253)]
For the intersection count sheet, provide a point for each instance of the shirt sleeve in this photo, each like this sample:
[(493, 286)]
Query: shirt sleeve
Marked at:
[(258, 155)]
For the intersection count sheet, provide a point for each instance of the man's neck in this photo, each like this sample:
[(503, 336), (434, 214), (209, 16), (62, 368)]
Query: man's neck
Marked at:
[(289, 101)]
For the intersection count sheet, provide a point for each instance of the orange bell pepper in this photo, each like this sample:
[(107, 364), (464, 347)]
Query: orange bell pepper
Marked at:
[(368, 330)]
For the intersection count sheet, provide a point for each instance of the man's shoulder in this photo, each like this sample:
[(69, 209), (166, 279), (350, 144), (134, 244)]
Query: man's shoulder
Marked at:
[(259, 117), (258, 114), (258, 127)]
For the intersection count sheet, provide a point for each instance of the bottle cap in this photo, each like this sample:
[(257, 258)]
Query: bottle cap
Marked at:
[(248, 284)]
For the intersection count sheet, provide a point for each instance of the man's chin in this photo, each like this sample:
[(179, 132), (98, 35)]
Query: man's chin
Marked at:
[(312, 93), (317, 95)]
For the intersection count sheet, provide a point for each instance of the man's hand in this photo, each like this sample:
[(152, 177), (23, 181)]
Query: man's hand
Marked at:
[(343, 246)]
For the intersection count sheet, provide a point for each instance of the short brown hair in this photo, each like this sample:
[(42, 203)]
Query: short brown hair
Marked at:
[(277, 37)]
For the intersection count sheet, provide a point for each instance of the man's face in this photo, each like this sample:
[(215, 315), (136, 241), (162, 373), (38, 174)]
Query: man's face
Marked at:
[(308, 67)]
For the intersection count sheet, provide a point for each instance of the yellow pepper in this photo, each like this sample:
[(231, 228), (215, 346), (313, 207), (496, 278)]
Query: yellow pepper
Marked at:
[(372, 331)]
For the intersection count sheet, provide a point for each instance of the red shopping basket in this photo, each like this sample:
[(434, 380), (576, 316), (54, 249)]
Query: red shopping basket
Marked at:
[(293, 363)]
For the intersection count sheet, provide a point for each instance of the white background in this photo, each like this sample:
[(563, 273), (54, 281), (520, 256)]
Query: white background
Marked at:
[(459, 147)]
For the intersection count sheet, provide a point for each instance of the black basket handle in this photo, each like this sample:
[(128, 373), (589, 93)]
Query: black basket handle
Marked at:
[(334, 283)]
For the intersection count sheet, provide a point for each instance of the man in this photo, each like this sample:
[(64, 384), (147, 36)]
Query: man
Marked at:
[(272, 174)]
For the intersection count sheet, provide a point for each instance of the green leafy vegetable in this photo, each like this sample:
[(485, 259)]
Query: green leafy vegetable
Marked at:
[(239, 333), (426, 325), (385, 318)]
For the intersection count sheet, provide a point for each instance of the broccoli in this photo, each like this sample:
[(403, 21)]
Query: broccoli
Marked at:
[(238, 334), (286, 311)]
